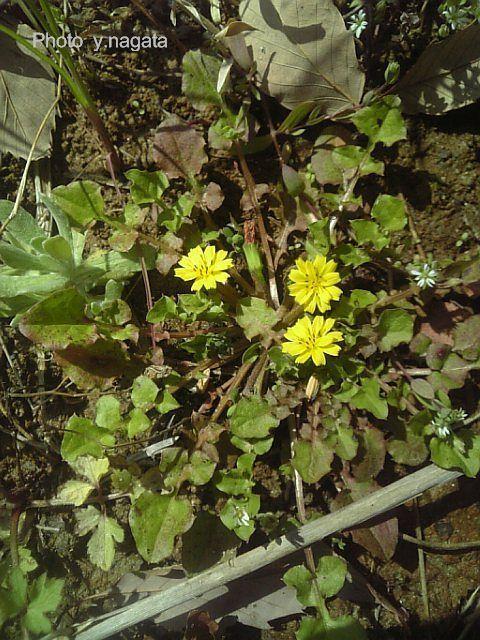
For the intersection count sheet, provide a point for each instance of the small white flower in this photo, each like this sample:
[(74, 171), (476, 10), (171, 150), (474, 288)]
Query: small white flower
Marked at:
[(425, 275), (242, 516), (358, 23), (443, 431), (456, 17)]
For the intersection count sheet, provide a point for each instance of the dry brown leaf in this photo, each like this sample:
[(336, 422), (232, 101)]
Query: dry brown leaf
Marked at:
[(178, 149)]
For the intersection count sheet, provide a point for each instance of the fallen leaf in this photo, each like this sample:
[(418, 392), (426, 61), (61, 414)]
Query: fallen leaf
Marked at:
[(178, 149)]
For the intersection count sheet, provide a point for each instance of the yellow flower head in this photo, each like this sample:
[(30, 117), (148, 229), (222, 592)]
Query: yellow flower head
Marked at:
[(205, 267), (312, 339), (313, 283)]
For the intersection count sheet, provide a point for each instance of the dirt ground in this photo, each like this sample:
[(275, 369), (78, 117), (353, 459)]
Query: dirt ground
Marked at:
[(437, 170)]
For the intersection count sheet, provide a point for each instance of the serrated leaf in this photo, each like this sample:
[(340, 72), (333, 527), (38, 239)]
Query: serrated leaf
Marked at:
[(27, 93), (101, 546), (394, 327), (252, 418), (44, 597), (445, 76), (155, 521), (255, 317), (93, 469), (304, 52)]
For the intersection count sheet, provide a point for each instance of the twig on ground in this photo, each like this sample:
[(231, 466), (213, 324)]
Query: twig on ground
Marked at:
[(366, 508), (421, 562), (443, 547)]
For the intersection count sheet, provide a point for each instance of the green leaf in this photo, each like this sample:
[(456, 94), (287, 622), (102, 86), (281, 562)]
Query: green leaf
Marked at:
[(467, 338), (101, 546), (331, 574), (346, 446), (255, 317), (351, 157), (166, 403), (13, 598), (351, 256), (341, 628), (329, 578), (368, 397), (312, 460), (138, 422), (237, 481), (209, 534), (382, 121), (199, 80), (108, 414), (370, 458), (155, 521), (22, 229), (147, 186), (318, 239), (144, 393), (93, 469), (200, 468), (238, 515), (172, 466), (44, 597), (394, 327), (408, 446), (367, 231), (162, 310), (75, 492), (82, 437), (252, 418), (82, 201), (58, 321), (448, 455), (390, 212)]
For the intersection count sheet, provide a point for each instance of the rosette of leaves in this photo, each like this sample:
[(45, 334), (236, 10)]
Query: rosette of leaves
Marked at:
[(36, 265)]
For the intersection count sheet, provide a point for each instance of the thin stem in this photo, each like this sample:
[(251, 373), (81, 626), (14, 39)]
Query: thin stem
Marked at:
[(250, 182), (14, 522)]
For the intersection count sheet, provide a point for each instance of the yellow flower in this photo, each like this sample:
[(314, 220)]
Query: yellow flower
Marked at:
[(204, 267), (313, 283), (312, 339)]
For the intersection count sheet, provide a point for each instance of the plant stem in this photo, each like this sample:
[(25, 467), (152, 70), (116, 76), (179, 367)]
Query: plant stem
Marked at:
[(250, 182), (14, 522)]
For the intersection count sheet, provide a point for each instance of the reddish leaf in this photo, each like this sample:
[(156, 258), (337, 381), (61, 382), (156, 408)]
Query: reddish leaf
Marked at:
[(200, 626), (178, 149)]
